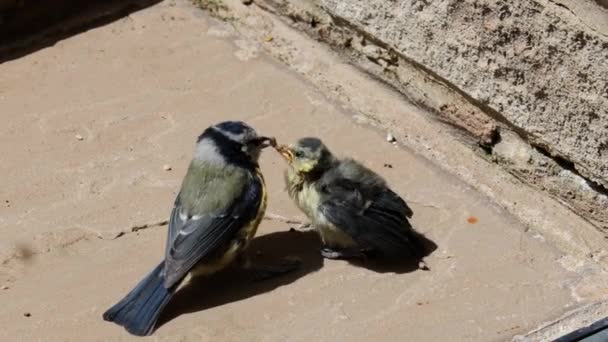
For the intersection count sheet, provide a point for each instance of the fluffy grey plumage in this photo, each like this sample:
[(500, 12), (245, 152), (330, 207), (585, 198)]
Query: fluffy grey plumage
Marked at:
[(350, 206)]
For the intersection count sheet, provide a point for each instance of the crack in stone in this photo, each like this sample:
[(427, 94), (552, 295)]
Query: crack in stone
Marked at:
[(136, 228), (570, 166)]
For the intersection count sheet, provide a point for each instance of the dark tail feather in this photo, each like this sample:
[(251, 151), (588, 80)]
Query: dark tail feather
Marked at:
[(395, 233), (396, 237), (140, 309)]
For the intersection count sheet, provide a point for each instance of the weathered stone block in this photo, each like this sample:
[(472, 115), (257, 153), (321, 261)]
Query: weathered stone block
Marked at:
[(533, 62)]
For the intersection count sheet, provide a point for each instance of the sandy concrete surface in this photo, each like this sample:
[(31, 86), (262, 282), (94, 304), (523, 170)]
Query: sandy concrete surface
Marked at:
[(90, 123)]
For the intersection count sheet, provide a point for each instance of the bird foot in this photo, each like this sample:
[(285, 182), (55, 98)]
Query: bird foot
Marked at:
[(337, 254), (266, 271)]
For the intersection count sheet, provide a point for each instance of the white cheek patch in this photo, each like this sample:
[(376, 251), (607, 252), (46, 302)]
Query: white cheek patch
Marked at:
[(207, 151), (196, 217)]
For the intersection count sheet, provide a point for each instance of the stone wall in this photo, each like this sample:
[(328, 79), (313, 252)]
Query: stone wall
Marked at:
[(541, 70), (528, 80)]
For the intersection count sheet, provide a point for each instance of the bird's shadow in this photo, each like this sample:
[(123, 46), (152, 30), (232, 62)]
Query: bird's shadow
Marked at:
[(400, 266), (234, 284)]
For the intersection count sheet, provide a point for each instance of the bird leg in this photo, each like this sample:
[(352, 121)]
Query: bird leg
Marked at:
[(266, 271)]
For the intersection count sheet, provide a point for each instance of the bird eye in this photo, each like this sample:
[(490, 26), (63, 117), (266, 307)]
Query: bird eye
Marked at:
[(298, 154)]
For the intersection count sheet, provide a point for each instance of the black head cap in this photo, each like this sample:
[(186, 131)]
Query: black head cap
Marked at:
[(311, 144), (233, 127)]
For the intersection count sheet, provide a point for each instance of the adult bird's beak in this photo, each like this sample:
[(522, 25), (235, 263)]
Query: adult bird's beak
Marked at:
[(285, 152), (264, 142)]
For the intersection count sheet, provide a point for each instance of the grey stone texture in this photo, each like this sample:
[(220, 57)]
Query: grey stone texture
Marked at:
[(536, 65)]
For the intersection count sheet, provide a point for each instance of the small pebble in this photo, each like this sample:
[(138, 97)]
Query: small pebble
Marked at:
[(79, 137), (247, 2), (5, 287), (167, 167), (27, 314), (269, 39), (390, 166), (390, 138)]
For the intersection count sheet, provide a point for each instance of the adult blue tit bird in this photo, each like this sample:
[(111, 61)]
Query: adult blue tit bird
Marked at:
[(216, 214), (351, 207)]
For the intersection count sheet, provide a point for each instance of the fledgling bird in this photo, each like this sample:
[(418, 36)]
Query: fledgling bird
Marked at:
[(216, 214), (354, 211)]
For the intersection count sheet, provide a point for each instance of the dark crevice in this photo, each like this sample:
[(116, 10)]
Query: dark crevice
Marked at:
[(570, 166), (562, 6), (562, 162), (489, 147), (588, 331)]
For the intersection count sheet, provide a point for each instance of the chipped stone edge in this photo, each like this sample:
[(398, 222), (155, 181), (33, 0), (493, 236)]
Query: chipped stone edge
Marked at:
[(571, 321)]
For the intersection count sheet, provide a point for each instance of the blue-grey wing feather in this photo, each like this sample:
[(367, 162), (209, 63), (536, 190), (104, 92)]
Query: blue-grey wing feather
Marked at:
[(194, 239)]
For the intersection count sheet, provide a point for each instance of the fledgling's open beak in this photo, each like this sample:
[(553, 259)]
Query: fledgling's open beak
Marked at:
[(264, 142), (285, 152)]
